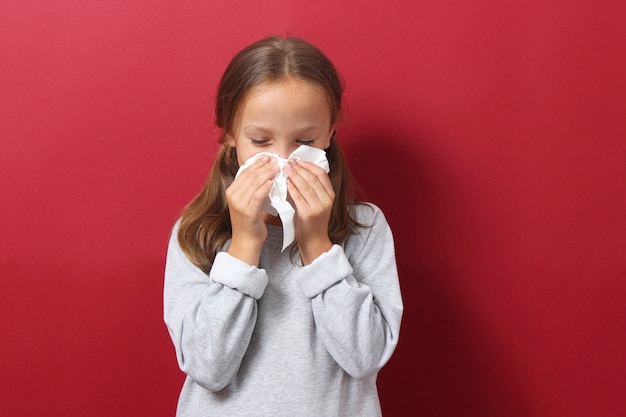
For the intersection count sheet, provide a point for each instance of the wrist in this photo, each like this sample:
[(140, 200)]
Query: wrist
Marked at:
[(312, 249), (245, 249)]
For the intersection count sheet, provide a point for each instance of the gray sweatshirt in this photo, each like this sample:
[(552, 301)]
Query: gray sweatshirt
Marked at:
[(284, 339)]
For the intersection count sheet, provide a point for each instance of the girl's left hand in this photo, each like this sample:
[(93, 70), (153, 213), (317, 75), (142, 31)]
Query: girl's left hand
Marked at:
[(312, 192)]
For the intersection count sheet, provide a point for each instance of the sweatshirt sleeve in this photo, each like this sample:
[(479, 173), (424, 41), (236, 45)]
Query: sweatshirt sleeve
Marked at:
[(210, 318), (356, 300)]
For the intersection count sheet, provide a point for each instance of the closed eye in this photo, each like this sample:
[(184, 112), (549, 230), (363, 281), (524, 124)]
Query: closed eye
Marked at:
[(305, 141), (258, 141)]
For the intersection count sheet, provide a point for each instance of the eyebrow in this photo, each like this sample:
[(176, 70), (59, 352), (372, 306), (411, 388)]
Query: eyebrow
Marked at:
[(306, 129)]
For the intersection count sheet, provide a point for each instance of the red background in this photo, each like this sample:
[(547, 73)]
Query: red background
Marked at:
[(490, 132)]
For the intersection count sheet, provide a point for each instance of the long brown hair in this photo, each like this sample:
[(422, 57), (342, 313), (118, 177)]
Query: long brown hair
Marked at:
[(205, 223)]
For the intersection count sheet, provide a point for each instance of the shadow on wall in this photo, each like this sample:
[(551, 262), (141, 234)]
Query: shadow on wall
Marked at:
[(441, 366)]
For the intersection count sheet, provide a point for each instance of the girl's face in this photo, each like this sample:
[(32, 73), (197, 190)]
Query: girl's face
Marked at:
[(279, 117)]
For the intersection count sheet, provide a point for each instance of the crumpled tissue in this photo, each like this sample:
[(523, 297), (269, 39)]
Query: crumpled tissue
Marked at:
[(276, 203)]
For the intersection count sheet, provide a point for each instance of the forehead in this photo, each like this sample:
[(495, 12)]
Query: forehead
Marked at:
[(293, 87), (284, 101)]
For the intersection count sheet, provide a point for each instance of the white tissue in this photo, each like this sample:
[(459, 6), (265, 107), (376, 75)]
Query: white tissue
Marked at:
[(276, 204)]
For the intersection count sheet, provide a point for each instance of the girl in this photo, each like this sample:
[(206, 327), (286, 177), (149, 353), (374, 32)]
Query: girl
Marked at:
[(264, 332)]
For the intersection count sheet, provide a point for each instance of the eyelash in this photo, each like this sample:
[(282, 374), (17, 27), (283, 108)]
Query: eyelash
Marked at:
[(260, 142)]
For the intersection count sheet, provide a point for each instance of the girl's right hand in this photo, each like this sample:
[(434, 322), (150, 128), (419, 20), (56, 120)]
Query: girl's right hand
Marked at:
[(245, 198)]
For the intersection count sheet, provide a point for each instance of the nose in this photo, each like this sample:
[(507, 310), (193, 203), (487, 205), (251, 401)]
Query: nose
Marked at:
[(283, 151)]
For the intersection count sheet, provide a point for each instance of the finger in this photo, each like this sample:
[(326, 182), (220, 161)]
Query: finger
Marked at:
[(320, 174), (311, 186), (257, 174), (253, 191), (252, 185), (295, 194), (299, 188), (264, 166)]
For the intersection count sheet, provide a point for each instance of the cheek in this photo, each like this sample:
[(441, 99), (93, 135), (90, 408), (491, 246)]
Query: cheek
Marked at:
[(326, 141), (242, 158), (245, 153)]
